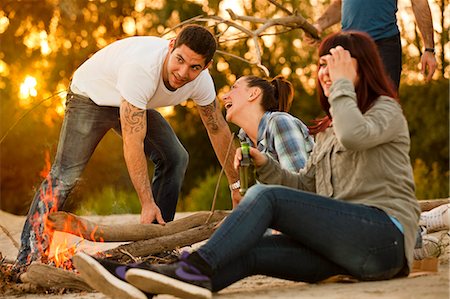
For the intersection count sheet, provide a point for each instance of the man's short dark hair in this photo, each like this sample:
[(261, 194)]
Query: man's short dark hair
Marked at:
[(198, 39)]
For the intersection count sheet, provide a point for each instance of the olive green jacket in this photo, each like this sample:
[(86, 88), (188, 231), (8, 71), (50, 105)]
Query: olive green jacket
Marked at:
[(361, 158)]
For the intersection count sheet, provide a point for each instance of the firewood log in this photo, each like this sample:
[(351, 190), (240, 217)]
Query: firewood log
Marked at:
[(51, 277), (426, 205), (160, 244), (73, 224)]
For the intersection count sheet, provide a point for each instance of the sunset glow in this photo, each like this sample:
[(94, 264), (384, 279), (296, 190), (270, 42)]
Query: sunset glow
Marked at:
[(27, 89)]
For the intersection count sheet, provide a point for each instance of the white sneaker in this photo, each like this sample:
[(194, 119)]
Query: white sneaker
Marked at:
[(430, 248), (436, 219)]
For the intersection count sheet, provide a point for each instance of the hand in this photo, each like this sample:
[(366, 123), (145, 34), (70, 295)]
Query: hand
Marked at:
[(311, 41), (341, 65), (151, 212), (429, 65), (258, 158)]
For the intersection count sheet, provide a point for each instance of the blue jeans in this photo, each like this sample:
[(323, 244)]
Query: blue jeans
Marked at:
[(391, 54), (321, 237), (84, 125)]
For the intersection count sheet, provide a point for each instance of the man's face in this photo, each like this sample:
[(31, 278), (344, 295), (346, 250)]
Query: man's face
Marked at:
[(182, 65)]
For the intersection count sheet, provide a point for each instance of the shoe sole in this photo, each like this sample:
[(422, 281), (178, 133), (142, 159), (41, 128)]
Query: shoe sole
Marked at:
[(95, 275), (153, 282)]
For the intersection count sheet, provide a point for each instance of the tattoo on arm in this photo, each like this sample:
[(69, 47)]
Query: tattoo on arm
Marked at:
[(133, 118), (209, 117)]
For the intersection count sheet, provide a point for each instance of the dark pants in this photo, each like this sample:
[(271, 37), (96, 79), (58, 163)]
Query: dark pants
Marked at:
[(391, 53)]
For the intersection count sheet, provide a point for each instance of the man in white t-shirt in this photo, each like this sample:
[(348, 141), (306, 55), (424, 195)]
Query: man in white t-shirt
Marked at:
[(117, 88)]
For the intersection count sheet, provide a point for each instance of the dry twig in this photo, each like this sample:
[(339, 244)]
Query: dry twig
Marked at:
[(292, 21)]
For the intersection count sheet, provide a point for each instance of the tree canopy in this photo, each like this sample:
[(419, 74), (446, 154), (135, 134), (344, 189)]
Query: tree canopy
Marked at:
[(43, 41)]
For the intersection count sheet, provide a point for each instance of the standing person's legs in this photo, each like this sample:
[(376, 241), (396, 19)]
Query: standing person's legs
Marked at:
[(83, 127), (323, 237), (170, 158), (391, 53)]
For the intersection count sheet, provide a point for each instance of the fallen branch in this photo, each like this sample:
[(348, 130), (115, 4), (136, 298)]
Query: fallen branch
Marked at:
[(293, 20), (8, 234), (426, 205), (51, 277), (73, 224), (161, 244)]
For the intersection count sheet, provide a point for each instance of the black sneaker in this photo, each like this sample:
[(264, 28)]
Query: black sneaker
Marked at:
[(179, 279), (108, 277)]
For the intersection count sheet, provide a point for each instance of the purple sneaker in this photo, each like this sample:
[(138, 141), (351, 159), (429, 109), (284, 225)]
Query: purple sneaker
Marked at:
[(108, 277), (179, 279)]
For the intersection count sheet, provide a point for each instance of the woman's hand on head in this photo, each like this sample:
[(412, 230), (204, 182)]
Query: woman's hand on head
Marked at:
[(341, 65)]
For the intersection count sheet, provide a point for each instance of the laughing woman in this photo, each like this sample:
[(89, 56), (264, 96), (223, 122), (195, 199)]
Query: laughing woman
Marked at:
[(259, 107), (352, 210)]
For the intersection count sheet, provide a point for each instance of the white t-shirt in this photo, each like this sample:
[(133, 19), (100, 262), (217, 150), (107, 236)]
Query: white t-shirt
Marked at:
[(132, 68)]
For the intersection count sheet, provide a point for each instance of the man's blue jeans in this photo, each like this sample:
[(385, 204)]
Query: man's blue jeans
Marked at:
[(321, 237), (84, 125)]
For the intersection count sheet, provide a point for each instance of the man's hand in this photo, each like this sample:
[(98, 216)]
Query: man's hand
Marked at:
[(429, 65), (151, 212), (311, 41)]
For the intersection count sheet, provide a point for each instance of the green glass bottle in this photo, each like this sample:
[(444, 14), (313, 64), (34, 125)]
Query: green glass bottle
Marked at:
[(246, 169)]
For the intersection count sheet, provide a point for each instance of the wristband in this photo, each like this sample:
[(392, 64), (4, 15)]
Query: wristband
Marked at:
[(431, 50), (236, 185)]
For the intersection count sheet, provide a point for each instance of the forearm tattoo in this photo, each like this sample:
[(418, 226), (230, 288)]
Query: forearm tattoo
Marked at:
[(133, 118), (209, 115)]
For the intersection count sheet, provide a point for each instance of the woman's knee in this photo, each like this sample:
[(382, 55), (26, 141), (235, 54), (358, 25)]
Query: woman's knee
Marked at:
[(256, 192)]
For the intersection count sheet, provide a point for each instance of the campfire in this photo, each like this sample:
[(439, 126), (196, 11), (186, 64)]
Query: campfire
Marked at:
[(52, 244)]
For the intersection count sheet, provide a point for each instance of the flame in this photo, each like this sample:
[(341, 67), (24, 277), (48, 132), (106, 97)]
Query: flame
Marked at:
[(55, 247)]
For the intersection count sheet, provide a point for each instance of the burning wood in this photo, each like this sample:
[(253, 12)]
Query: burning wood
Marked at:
[(149, 239)]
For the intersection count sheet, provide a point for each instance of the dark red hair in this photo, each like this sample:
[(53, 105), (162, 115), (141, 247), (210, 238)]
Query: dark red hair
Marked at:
[(373, 81)]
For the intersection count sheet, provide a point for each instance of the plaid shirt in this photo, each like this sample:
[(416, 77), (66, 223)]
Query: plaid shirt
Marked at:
[(285, 138)]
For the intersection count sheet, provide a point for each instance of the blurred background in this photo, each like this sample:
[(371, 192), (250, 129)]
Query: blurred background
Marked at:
[(43, 41)]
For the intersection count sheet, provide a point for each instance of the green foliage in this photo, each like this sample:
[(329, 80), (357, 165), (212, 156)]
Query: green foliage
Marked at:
[(77, 29), (430, 183), (426, 108), (109, 200), (201, 197)]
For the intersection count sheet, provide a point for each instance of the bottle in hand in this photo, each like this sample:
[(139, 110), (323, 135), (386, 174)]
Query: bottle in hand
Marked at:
[(246, 169)]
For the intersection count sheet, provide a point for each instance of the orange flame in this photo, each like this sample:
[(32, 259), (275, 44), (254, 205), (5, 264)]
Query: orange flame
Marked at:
[(63, 248)]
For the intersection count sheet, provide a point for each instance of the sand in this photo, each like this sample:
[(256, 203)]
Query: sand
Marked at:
[(425, 286)]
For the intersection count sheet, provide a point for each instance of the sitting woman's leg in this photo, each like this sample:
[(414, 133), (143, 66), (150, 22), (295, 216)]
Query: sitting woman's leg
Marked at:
[(362, 240)]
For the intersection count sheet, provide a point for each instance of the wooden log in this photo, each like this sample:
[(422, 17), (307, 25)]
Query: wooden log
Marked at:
[(160, 244), (429, 204), (73, 224), (48, 276)]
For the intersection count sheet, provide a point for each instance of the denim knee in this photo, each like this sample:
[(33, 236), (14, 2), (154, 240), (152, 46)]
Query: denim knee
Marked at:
[(180, 161), (255, 192)]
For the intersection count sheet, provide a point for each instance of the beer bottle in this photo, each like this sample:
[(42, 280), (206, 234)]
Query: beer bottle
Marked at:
[(246, 169)]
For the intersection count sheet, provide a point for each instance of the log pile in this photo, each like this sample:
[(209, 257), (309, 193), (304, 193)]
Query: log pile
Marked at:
[(146, 239)]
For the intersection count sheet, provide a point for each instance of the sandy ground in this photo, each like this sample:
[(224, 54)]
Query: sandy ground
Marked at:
[(426, 286)]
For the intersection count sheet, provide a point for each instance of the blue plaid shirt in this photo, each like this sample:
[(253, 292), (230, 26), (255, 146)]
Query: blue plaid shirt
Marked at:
[(285, 138)]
